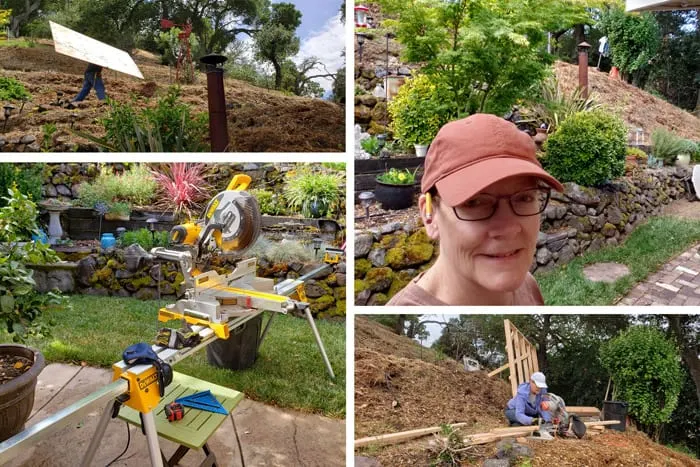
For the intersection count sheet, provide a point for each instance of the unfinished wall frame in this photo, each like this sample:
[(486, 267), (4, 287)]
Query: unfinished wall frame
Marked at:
[(522, 357)]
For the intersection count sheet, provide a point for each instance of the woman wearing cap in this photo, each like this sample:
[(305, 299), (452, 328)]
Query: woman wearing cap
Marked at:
[(482, 194), (527, 406)]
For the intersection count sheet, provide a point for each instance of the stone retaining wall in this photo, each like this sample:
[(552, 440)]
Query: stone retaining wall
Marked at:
[(131, 272), (575, 222), (62, 180)]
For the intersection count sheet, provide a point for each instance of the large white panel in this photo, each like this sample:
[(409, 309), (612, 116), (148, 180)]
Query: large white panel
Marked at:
[(76, 45), (652, 5)]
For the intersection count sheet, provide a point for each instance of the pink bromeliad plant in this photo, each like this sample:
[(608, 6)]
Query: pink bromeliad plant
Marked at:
[(183, 186)]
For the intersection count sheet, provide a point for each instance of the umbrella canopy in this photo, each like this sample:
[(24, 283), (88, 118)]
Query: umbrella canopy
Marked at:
[(76, 45), (656, 5)]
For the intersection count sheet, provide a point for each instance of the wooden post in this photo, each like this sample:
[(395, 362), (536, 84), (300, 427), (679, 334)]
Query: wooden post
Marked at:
[(511, 357), (583, 68)]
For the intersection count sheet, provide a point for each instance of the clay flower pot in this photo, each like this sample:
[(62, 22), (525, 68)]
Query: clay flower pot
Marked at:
[(17, 395)]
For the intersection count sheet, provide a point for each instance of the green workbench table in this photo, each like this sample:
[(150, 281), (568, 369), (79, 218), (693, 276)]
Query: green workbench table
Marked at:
[(197, 426)]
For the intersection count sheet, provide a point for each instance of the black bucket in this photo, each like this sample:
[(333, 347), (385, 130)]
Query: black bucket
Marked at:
[(615, 410), (240, 350)]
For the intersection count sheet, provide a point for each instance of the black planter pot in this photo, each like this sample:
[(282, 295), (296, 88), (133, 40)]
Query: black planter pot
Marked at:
[(394, 196), (17, 395)]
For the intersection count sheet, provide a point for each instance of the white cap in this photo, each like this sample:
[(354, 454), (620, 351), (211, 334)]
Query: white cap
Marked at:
[(538, 379)]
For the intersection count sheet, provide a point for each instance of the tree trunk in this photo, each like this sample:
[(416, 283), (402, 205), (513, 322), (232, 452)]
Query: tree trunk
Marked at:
[(542, 343), (689, 354), (278, 74), (579, 34), (19, 19), (398, 327)]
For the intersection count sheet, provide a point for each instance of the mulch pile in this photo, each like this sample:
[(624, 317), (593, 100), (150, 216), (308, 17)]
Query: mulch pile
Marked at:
[(400, 386), (260, 120), (636, 107)]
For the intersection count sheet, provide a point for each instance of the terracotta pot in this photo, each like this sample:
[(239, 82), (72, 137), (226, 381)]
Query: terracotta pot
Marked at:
[(17, 395)]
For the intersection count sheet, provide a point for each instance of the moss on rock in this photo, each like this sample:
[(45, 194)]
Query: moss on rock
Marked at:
[(379, 279), (420, 236), (360, 286), (322, 303), (362, 265), (418, 253), (394, 240), (339, 293), (395, 258)]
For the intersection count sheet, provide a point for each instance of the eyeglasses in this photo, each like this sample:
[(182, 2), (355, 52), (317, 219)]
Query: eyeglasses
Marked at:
[(483, 206)]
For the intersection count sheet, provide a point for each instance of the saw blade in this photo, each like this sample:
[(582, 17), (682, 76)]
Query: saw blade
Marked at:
[(239, 215)]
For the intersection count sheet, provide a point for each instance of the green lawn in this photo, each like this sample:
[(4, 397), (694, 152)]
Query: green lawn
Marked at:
[(644, 252), (289, 371), (19, 43)]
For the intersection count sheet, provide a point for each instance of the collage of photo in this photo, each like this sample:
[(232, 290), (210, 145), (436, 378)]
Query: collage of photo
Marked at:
[(208, 257)]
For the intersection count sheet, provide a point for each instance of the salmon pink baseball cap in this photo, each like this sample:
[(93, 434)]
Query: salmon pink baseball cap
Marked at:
[(470, 154)]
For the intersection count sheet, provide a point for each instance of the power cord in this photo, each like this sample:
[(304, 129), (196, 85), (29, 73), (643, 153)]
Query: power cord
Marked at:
[(128, 440)]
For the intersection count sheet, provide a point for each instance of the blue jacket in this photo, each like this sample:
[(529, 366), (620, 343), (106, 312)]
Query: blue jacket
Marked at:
[(524, 411)]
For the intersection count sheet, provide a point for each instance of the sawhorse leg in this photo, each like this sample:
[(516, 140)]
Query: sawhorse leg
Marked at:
[(149, 426), (209, 461), (310, 318)]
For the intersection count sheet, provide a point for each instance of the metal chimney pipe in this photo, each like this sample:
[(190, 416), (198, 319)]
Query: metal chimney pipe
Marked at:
[(583, 68), (218, 125)]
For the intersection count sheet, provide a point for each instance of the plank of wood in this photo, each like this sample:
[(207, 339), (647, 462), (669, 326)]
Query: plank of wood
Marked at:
[(583, 411), (498, 370), (400, 437), (500, 433)]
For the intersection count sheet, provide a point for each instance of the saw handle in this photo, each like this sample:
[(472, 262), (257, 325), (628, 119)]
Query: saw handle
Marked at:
[(239, 182)]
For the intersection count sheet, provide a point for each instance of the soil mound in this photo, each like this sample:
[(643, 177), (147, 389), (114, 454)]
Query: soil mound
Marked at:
[(260, 120), (636, 107), (400, 386)]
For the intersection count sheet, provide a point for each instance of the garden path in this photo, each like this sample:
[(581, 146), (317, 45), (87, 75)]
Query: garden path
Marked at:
[(255, 434), (677, 282)]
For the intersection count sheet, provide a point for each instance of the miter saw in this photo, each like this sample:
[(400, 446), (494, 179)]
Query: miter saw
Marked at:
[(231, 224)]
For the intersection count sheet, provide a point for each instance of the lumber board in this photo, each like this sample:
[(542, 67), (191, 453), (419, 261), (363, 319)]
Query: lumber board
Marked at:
[(583, 411), (500, 433), (498, 370), (400, 437)]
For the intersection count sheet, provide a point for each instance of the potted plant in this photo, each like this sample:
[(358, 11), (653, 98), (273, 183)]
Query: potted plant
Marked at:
[(416, 116), (20, 305), (118, 211), (314, 194), (395, 188), (687, 149)]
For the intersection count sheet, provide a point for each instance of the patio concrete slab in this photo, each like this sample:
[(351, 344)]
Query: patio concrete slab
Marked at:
[(255, 434)]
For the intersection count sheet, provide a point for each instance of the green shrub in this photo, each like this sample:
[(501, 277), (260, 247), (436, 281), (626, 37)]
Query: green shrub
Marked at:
[(12, 90), (20, 305), (167, 127), (588, 148), (637, 153), (135, 187), (646, 373), (553, 106), (314, 194), (415, 112), (270, 203), (666, 146), (144, 238), (27, 177)]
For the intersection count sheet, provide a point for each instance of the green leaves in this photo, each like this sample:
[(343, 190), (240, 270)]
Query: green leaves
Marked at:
[(645, 368), (588, 148)]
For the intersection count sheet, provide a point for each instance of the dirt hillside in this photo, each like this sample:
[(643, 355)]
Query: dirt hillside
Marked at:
[(401, 386), (637, 108), (259, 120)]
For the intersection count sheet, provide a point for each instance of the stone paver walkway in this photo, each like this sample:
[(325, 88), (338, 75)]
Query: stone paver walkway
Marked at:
[(677, 283)]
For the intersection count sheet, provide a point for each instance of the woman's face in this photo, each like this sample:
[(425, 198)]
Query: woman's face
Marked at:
[(494, 253)]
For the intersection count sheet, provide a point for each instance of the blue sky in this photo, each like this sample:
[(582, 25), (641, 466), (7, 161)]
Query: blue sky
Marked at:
[(321, 34), (315, 14)]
